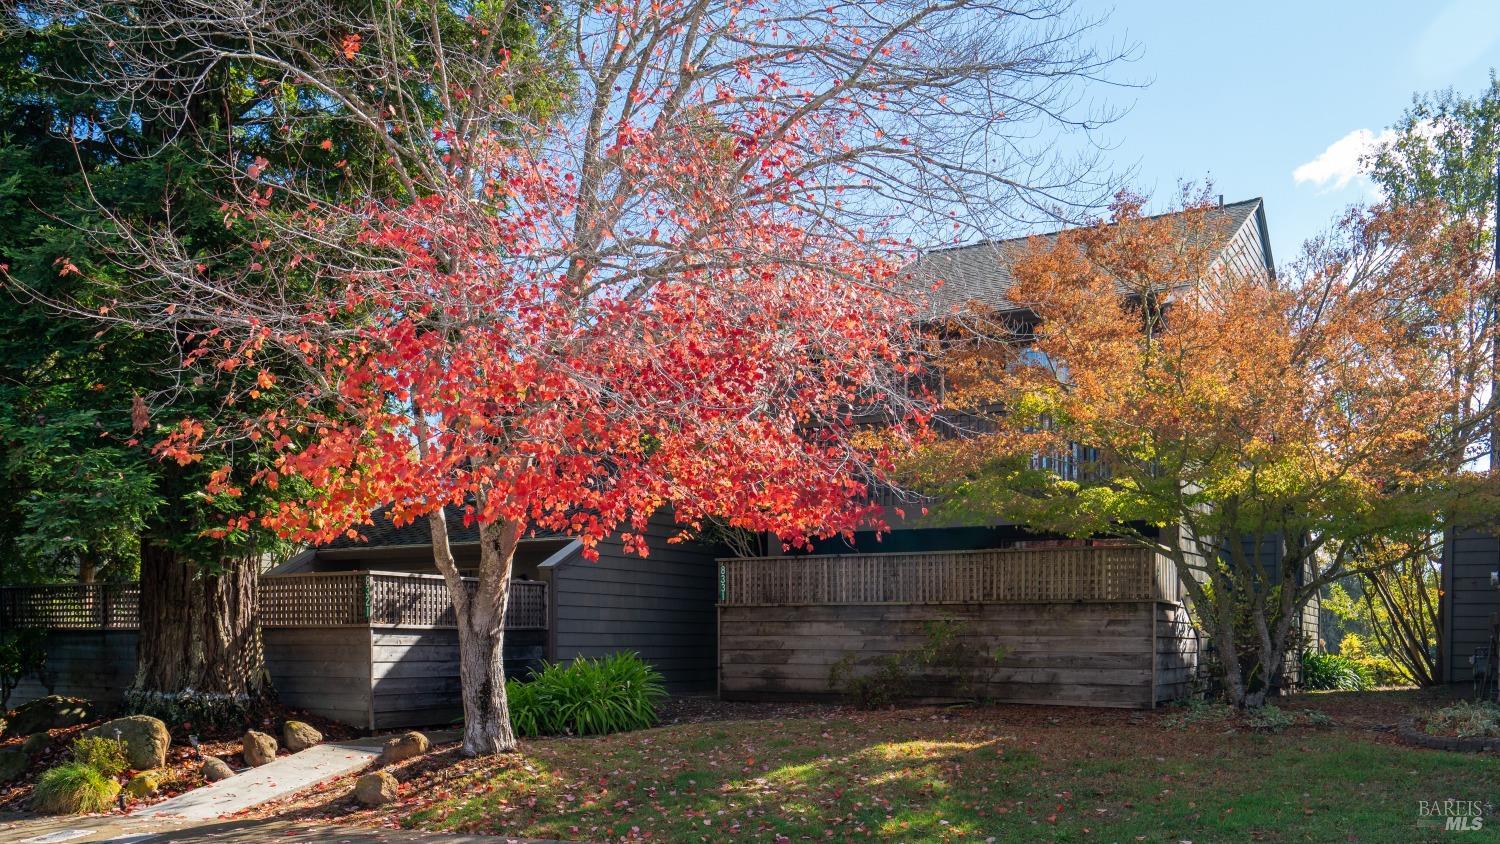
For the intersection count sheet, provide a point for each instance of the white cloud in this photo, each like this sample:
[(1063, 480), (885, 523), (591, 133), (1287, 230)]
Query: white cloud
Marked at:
[(1339, 164)]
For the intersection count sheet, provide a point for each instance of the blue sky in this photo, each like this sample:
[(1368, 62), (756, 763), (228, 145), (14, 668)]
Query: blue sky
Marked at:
[(1246, 93)]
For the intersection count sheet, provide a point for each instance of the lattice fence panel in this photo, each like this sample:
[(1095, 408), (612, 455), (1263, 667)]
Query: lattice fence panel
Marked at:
[(341, 599), (528, 606), (315, 600), (1026, 575), (72, 606)]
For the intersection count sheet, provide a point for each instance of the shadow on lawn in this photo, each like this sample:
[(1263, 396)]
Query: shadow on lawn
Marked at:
[(853, 783)]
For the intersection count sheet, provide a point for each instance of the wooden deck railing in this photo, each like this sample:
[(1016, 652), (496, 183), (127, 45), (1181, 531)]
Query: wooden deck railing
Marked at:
[(1031, 575), (334, 599)]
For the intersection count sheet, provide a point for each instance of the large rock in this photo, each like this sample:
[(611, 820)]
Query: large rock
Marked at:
[(376, 789), (35, 743), (259, 748), (146, 739), (13, 763), (405, 746), (215, 769), (48, 713), (299, 735), (146, 783)]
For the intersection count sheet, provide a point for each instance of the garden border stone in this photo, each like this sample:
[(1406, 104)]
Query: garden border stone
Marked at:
[(1409, 730)]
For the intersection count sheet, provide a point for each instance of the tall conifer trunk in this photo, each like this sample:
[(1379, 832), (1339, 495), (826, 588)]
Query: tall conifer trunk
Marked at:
[(200, 652)]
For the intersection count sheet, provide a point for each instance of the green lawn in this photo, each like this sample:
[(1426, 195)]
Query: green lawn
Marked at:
[(1007, 773)]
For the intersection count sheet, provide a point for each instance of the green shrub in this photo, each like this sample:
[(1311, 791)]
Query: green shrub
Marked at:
[(1197, 711), (1269, 718), (105, 755), (1332, 672), (22, 654), (1466, 719), (204, 710), (1317, 719), (1217, 715), (586, 697), (945, 664), (891, 680), (1378, 668), (74, 788)]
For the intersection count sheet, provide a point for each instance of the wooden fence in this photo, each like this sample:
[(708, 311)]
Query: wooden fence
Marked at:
[(1029, 575), (72, 606), (338, 599)]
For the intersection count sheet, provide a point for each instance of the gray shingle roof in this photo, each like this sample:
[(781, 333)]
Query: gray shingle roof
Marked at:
[(980, 272), (383, 533)]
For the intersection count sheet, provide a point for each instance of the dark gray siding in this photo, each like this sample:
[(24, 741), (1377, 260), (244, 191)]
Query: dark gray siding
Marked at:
[(371, 678), (1176, 653), (324, 670), (1470, 602), (415, 673), (661, 606), (1269, 551)]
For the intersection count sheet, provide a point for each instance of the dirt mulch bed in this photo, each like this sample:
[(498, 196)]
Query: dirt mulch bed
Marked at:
[(697, 709)]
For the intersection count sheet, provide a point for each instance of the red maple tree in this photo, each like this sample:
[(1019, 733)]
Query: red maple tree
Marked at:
[(672, 285)]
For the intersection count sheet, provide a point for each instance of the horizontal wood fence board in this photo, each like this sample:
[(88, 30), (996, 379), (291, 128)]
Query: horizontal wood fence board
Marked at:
[(358, 675), (1088, 654), (1130, 677), (1064, 694), (94, 664), (882, 644), (1017, 659), (657, 619), (321, 669), (1176, 654), (448, 687), (395, 719)]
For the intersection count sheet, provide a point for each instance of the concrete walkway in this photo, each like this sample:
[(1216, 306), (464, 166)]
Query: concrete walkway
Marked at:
[(286, 775), (130, 830)]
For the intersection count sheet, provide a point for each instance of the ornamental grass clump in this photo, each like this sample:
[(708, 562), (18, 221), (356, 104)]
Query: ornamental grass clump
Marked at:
[(74, 788), (1466, 719), (105, 755), (87, 783), (587, 697)]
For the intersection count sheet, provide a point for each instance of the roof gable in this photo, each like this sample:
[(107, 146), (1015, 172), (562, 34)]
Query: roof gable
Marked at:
[(980, 272), (384, 533)]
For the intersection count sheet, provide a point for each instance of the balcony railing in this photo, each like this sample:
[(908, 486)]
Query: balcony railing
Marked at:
[(333, 599), (1026, 575)]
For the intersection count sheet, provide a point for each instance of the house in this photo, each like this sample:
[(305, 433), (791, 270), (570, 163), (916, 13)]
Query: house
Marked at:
[(1084, 622), (361, 630), (659, 606)]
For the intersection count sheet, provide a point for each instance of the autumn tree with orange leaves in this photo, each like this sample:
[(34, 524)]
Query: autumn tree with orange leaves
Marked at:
[(1211, 413), (676, 287)]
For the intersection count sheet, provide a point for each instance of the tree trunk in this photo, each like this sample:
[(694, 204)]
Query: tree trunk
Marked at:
[(481, 646), (480, 613), (481, 651), (200, 654), (88, 568)]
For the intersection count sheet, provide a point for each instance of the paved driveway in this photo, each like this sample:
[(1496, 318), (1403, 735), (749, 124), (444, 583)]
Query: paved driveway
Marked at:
[(15, 829)]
